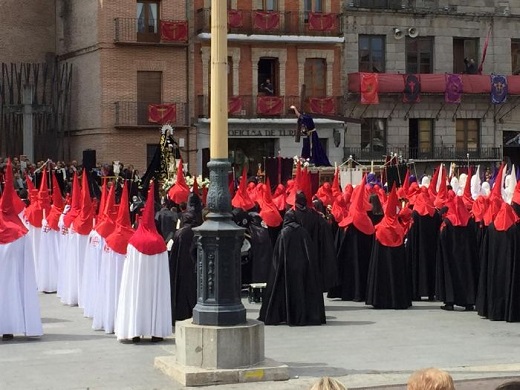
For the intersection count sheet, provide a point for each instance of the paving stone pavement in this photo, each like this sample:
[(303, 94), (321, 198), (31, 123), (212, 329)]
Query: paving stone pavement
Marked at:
[(362, 347)]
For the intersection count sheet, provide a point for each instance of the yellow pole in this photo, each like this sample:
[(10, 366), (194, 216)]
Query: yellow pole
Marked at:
[(219, 96)]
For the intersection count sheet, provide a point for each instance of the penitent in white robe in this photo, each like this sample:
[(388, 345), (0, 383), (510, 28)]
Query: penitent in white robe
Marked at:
[(90, 277), (48, 253), (19, 305)]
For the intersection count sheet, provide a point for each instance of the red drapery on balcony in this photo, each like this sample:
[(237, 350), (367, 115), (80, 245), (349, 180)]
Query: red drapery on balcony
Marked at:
[(234, 105), (322, 22), (162, 113), (325, 105), (269, 105), (235, 18), (174, 31), (266, 20), (369, 88)]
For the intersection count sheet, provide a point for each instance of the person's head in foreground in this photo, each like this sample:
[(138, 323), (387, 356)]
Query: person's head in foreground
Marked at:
[(327, 383), (430, 379), (510, 385)]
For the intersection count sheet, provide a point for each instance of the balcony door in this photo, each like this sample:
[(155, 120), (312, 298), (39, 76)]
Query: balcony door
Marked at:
[(148, 21), (420, 138), (315, 77), (149, 91), (268, 70)]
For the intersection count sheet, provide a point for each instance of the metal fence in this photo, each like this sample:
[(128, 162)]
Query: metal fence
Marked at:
[(136, 114)]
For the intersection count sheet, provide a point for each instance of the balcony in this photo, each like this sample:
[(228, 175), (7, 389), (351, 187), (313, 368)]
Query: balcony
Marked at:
[(275, 23), (395, 4), (250, 107), (141, 114), (131, 31), (438, 153)]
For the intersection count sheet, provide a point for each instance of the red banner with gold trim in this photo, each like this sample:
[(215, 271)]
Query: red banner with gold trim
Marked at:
[(369, 88), (263, 20), (325, 105), (322, 22), (235, 18), (162, 113), (269, 105), (234, 105), (174, 30)]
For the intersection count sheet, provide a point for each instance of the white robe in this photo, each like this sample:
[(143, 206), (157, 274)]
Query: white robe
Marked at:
[(89, 283), (19, 304), (48, 253), (110, 274), (144, 307)]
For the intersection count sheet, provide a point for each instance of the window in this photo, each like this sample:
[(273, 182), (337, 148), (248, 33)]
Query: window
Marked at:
[(420, 138), (382, 4), (467, 137), (147, 21), (268, 70), (515, 56), (315, 77), (230, 76), (464, 48), (373, 136), (372, 53), (313, 5), (269, 5), (149, 91), (419, 55)]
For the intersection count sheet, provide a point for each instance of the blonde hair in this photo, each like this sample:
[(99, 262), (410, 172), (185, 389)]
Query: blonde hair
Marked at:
[(327, 383), (430, 379)]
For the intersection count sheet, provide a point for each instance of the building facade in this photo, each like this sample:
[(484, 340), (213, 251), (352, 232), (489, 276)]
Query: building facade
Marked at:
[(137, 64)]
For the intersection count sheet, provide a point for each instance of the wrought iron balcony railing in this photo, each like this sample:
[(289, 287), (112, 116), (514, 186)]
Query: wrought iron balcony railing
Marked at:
[(449, 153), (275, 23), (138, 31), (151, 114), (248, 107)]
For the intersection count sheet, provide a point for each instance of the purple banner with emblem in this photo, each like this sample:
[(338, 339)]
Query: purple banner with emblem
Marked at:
[(453, 92), (412, 88), (498, 88)]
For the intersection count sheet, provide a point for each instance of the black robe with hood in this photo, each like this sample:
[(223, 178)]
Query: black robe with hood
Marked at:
[(293, 295)]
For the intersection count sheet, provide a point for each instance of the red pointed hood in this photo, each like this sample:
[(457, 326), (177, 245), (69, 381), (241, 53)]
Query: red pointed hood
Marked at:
[(480, 205), (357, 213), (180, 191), (457, 212), (432, 188), (57, 205), (402, 192), (83, 223), (269, 212), (119, 238), (107, 223), (146, 239), (339, 208), (307, 187), (325, 194), (75, 205), (195, 188), (505, 218), (389, 232), (34, 213), (295, 187), (423, 204), (11, 227), (102, 203), (442, 194), (242, 200), (43, 196), (516, 194), (495, 198), (30, 185), (279, 197), (466, 196)]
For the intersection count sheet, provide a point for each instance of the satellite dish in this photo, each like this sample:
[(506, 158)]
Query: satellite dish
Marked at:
[(413, 32), (398, 34)]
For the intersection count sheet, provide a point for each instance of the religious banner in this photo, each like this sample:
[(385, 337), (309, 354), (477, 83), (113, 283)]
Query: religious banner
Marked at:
[(325, 105), (234, 105), (263, 20), (235, 18), (162, 113), (369, 88), (453, 91), (174, 30), (412, 88), (269, 105), (322, 22), (498, 89)]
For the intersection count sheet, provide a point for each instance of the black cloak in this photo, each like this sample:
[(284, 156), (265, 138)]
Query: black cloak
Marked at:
[(457, 258), (293, 295), (261, 252), (421, 244), (183, 270)]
